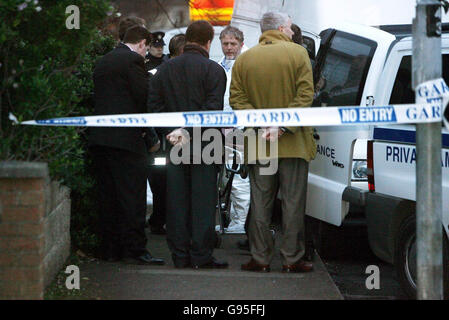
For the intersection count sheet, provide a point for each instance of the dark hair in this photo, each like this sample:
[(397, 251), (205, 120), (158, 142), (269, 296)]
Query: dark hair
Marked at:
[(136, 34), (127, 23), (297, 34), (200, 32), (177, 44), (232, 31)]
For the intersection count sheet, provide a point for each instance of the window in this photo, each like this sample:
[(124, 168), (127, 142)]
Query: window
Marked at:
[(343, 73), (402, 89)]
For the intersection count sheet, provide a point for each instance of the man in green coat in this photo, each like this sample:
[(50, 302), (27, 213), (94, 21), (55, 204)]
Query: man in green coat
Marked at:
[(276, 74)]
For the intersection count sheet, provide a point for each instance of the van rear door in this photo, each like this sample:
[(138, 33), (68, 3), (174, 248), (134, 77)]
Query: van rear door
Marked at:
[(349, 63)]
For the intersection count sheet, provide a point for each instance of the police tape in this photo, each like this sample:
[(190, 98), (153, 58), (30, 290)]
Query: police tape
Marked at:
[(432, 97)]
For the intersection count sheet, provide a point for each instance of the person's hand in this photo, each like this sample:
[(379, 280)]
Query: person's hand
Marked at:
[(272, 133), (156, 147), (178, 136)]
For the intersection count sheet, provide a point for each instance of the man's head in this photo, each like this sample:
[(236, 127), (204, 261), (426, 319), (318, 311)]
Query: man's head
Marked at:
[(297, 34), (201, 33), (157, 44), (176, 45), (276, 21), (138, 38), (127, 23), (231, 42)]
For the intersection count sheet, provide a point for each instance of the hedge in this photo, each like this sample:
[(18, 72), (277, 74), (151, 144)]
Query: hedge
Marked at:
[(46, 72)]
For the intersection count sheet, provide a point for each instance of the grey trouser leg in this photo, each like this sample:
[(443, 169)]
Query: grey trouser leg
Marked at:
[(291, 177), (263, 193)]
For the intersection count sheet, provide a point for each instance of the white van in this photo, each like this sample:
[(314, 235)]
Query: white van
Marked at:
[(360, 65)]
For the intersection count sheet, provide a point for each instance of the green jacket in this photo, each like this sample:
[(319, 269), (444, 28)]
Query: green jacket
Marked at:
[(276, 73)]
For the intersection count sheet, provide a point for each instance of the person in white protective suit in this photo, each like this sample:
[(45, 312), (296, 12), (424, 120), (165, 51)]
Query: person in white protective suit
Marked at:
[(232, 45)]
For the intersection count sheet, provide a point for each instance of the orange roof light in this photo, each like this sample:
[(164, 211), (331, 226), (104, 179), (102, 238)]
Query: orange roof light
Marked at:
[(217, 12)]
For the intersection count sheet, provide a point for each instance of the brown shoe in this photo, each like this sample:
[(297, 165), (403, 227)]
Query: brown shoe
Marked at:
[(252, 265), (300, 266)]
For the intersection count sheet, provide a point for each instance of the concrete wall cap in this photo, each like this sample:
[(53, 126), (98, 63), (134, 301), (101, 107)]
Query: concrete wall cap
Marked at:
[(23, 169)]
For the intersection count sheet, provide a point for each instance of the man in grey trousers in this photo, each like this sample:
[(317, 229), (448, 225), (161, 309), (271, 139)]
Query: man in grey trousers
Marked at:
[(276, 74)]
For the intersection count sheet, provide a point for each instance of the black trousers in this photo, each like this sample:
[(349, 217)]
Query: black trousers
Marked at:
[(157, 178), (121, 177), (191, 210)]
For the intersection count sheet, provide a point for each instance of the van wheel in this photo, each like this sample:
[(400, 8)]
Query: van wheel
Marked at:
[(405, 258), (328, 239)]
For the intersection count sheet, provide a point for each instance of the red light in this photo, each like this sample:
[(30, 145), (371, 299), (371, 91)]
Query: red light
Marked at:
[(370, 167)]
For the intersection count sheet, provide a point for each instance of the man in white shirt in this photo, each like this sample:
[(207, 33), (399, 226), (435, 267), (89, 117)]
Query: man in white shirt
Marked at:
[(232, 45)]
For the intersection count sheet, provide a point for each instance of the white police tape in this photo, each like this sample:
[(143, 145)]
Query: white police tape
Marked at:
[(432, 98)]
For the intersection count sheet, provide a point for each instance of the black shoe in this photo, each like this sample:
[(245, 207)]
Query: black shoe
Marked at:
[(158, 230), (212, 264), (144, 259), (243, 244)]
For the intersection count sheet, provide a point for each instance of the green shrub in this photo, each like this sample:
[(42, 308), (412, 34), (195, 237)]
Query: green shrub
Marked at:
[(46, 72)]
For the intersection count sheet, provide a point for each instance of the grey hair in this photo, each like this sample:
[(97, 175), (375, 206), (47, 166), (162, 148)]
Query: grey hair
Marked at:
[(234, 32), (273, 20)]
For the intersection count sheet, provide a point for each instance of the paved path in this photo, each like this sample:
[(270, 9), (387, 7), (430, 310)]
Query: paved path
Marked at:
[(121, 281)]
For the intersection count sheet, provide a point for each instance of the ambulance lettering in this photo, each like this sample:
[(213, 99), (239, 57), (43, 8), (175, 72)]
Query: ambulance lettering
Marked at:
[(325, 151)]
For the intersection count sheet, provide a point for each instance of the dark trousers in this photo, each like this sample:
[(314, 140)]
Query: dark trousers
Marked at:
[(191, 210), (157, 179), (121, 177)]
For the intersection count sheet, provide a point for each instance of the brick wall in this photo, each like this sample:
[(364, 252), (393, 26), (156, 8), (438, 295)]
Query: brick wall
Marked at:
[(34, 229)]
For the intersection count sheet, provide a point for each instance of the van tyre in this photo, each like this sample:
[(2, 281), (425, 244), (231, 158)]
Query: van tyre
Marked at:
[(405, 258)]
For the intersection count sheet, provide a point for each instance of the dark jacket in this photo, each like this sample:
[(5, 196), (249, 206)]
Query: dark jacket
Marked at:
[(120, 87), (190, 82), (152, 62)]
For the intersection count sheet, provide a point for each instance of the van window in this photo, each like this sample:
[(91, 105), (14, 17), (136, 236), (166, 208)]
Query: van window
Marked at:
[(342, 75), (402, 89)]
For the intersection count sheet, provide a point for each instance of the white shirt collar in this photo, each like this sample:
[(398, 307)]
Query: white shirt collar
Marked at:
[(129, 47)]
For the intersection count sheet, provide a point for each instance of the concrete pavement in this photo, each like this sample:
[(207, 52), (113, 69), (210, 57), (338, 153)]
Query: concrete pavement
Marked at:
[(121, 281)]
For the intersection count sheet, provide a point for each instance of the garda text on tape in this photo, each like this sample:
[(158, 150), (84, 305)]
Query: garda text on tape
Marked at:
[(432, 97)]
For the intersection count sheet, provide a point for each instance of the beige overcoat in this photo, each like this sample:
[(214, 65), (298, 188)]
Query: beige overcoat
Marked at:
[(276, 73)]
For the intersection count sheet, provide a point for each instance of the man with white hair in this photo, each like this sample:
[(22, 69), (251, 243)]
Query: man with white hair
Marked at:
[(276, 74)]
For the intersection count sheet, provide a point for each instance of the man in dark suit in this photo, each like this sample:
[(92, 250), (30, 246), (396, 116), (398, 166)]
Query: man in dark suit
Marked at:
[(121, 154), (190, 82)]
